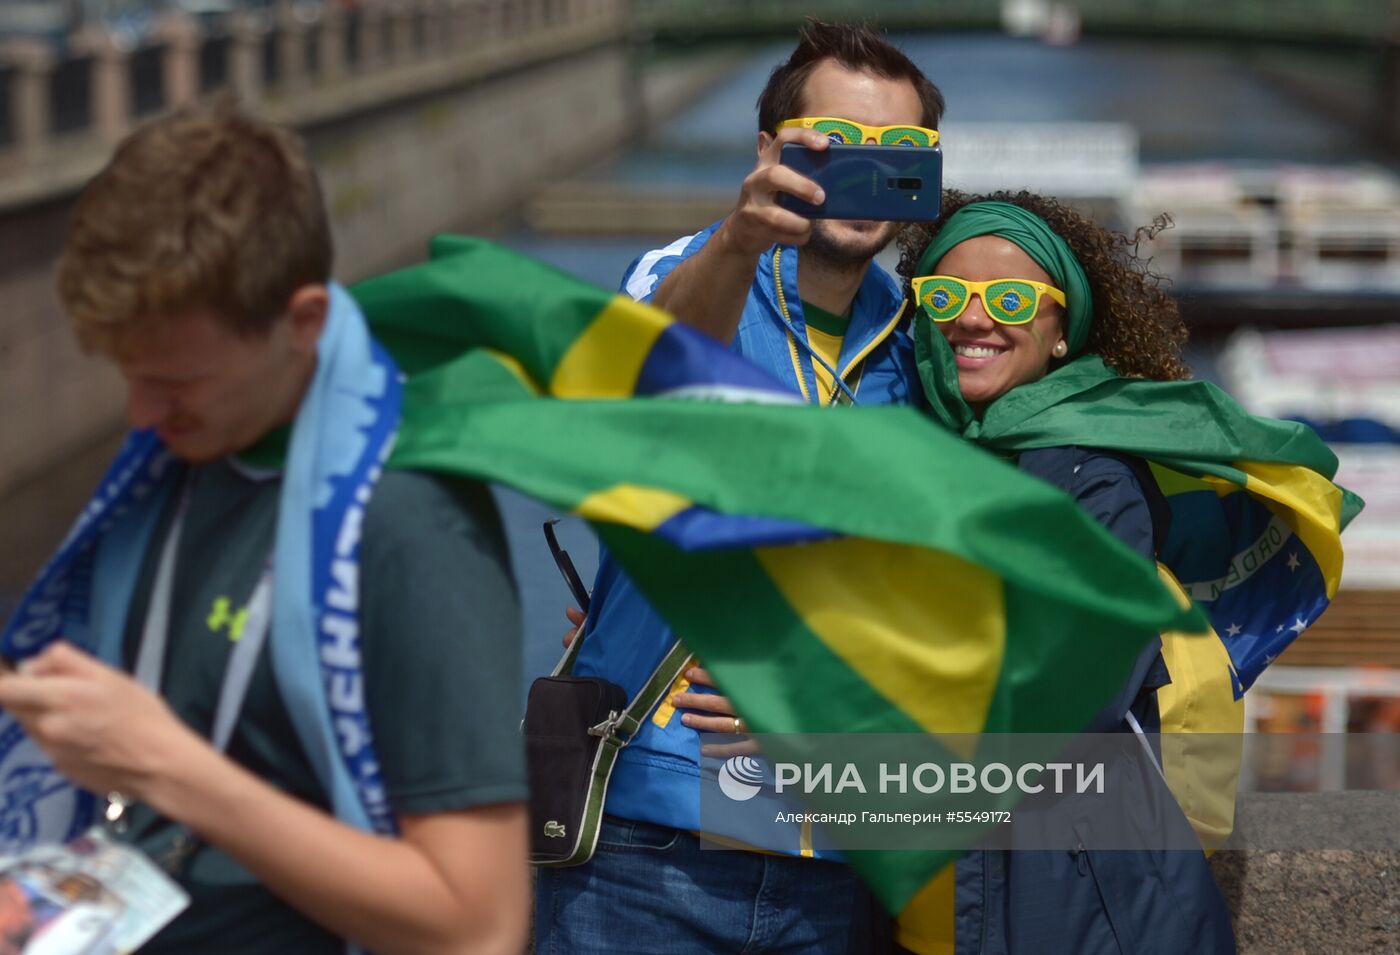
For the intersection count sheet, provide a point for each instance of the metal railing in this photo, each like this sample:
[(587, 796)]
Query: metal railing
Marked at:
[(66, 103)]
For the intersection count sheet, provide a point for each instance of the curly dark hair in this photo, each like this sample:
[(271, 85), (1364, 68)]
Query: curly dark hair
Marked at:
[(1137, 328)]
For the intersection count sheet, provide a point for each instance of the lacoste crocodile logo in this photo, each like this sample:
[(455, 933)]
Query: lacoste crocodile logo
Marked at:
[(554, 829)]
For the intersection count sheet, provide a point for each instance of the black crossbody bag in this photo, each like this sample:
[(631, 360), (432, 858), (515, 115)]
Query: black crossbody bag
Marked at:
[(574, 728)]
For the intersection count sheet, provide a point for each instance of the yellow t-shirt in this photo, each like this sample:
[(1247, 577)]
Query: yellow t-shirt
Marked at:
[(825, 333)]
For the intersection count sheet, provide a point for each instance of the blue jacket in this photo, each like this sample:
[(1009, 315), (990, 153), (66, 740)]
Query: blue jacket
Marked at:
[(657, 775), (1094, 902), (877, 354)]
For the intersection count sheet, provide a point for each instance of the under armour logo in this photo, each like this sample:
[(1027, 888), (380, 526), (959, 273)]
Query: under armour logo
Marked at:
[(219, 618)]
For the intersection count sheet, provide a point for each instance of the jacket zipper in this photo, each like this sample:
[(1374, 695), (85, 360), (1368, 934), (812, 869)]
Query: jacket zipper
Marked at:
[(797, 354)]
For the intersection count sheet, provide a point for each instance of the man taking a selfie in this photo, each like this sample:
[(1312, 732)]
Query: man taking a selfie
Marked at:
[(740, 279), (830, 328)]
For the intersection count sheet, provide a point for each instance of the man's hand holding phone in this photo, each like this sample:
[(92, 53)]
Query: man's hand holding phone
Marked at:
[(758, 221), (707, 291)]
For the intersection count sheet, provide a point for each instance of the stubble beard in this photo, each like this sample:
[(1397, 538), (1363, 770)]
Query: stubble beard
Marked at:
[(842, 253)]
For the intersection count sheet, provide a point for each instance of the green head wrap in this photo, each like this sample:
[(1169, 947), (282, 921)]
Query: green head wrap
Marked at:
[(1223, 472), (1189, 426), (1034, 237), (938, 368)]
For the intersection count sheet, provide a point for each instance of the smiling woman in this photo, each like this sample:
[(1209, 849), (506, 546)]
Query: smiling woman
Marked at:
[(1115, 307), (1001, 335), (1043, 337), (1023, 310)]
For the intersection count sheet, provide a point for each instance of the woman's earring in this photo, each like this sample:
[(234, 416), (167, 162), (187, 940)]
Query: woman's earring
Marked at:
[(1060, 349)]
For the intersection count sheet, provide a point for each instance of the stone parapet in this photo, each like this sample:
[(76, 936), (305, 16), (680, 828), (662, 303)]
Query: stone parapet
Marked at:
[(380, 53), (1315, 900), (408, 141)]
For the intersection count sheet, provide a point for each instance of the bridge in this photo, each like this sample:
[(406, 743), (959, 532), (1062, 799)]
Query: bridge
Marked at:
[(1362, 36), (1352, 24)]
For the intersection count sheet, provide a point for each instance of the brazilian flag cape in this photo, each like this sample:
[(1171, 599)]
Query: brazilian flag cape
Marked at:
[(916, 583), (1255, 535), (1256, 520)]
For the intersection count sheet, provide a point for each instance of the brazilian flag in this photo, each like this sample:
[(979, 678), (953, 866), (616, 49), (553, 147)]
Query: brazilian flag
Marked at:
[(916, 583), (1254, 539)]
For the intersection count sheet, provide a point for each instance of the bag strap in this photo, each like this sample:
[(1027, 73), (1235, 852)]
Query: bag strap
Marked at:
[(565, 666), (613, 734), (619, 728)]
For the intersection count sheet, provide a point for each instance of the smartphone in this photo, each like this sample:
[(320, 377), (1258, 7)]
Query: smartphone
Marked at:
[(894, 183), (566, 566)]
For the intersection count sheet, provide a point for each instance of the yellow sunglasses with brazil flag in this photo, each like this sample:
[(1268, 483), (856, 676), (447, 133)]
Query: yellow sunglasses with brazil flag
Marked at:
[(1009, 301), (852, 133)]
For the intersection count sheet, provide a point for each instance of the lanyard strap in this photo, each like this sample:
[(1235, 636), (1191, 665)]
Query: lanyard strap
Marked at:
[(155, 639), (155, 635), (838, 384)]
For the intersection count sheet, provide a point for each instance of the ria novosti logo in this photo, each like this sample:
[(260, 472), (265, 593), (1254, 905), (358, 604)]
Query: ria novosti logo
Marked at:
[(740, 778)]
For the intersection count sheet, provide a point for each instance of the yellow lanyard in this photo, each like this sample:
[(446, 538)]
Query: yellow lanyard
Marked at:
[(855, 363)]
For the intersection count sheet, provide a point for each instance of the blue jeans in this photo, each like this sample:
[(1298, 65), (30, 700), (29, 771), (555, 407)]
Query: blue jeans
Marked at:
[(650, 890)]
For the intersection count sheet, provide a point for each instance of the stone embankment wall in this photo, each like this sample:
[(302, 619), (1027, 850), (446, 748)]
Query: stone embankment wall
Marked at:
[(423, 116), (1338, 901)]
